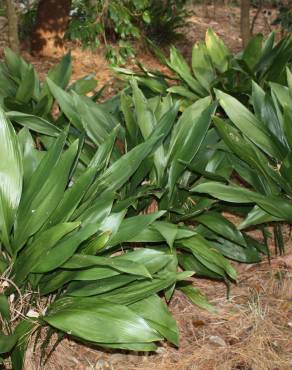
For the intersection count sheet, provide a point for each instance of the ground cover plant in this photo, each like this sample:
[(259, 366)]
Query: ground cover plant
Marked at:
[(213, 65), (108, 202)]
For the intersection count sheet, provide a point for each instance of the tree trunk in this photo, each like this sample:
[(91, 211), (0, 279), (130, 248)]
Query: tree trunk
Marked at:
[(12, 26), (205, 8), (244, 21), (51, 24)]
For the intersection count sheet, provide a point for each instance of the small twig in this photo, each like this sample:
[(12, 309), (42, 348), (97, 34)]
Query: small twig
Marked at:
[(256, 16), (18, 312)]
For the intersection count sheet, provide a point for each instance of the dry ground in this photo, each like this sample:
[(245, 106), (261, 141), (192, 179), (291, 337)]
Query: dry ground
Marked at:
[(250, 331)]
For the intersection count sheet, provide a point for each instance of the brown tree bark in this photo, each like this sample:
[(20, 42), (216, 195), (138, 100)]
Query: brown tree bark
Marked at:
[(245, 21), (205, 8), (51, 24), (13, 38)]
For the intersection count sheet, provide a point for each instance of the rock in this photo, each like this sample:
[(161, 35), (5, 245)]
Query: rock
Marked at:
[(214, 339), (161, 350), (102, 365)]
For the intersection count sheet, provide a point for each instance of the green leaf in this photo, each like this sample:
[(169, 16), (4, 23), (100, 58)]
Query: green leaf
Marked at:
[(132, 226), (248, 152), (187, 137), (7, 342), (33, 255), (11, 177), (236, 252), (179, 65), (275, 205), (167, 230), (4, 308), (209, 257), (26, 87), (218, 52), (155, 312), (253, 51), (190, 262), (100, 322), (81, 261), (35, 123), (137, 290), (38, 204), (257, 216), (282, 93), (249, 125), (220, 225), (202, 65), (288, 125), (196, 297), (121, 170), (183, 91), (66, 102), (31, 157), (58, 255)]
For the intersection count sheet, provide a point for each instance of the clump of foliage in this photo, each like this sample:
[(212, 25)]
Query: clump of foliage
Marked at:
[(121, 203), (122, 22), (284, 18), (116, 24), (214, 66)]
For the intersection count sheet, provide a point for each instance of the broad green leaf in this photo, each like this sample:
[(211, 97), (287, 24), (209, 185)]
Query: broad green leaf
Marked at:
[(187, 138), (96, 121), (257, 216), (196, 297), (155, 312), (35, 123), (167, 230), (4, 307), (253, 51), (249, 153), (100, 321), (282, 93), (26, 87), (140, 289), (275, 205), (220, 225), (209, 257), (121, 170), (288, 125), (88, 288), (11, 173), (58, 255), (289, 80), (218, 52), (179, 65), (202, 65), (132, 226), (249, 125), (183, 91), (82, 261), (190, 262), (35, 211), (67, 105), (7, 342), (236, 252), (32, 255), (31, 157)]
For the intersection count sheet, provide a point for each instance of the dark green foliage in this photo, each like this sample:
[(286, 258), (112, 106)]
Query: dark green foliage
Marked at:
[(120, 203)]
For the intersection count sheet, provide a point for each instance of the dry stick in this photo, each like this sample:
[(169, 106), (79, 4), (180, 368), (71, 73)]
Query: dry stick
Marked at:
[(256, 16), (18, 312)]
